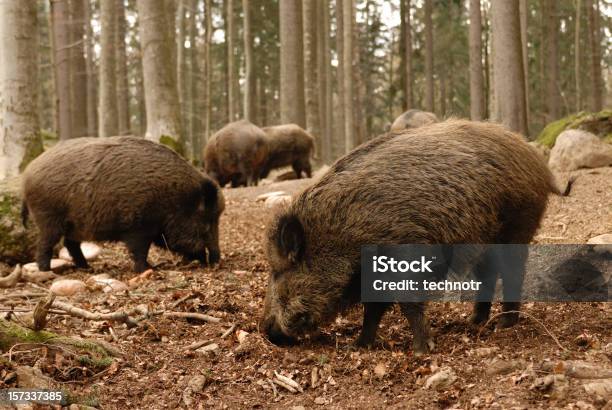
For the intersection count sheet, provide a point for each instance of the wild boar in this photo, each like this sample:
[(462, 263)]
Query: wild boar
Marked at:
[(236, 154), (483, 184), (289, 144), (121, 189), (413, 119)]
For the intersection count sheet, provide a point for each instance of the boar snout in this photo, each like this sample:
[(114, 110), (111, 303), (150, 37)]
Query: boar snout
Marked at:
[(274, 333)]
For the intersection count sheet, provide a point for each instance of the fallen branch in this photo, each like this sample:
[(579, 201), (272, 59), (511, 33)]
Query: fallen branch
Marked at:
[(39, 317), (12, 279), (529, 316), (118, 316), (228, 331), (289, 382), (193, 315)]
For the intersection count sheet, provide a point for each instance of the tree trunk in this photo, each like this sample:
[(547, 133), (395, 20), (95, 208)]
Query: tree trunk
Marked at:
[(123, 90), (552, 59), (231, 80), (429, 57), (249, 86), (207, 68), (347, 58), (524, 16), (409, 78), (577, 56), (477, 108), (108, 113), (161, 96), (292, 65), (60, 22), (339, 140), (20, 140), (323, 77), (92, 81), (595, 46), (328, 79), (181, 69), (508, 61), (79, 69), (191, 83), (312, 90)]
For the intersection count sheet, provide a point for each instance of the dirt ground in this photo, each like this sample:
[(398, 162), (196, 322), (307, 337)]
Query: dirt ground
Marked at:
[(524, 367)]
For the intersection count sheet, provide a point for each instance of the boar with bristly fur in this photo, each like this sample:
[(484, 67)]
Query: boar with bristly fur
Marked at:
[(121, 189), (413, 119), (455, 182), (236, 153), (289, 145)]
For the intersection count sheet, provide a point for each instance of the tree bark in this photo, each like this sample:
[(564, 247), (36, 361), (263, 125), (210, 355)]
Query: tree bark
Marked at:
[(60, 22), (249, 86), (292, 63), (161, 96), (108, 113), (508, 61), (207, 68), (409, 77), (594, 31), (231, 80), (79, 69), (552, 59), (324, 78), (193, 108), (92, 81), (312, 90), (348, 77), (20, 139), (477, 108), (339, 141), (123, 90), (577, 55), (429, 57), (524, 16)]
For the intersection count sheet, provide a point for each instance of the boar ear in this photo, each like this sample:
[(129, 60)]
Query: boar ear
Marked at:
[(291, 239), (209, 194)]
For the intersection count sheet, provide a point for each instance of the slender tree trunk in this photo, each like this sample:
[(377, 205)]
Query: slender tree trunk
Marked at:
[(509, 75), (552, 59), (524, 16), (181, 70), (292, 66), (207, 68), (108, 113), (229, 34), (312, 90), (123, 90), (595, 46), (402, 53), (191, 84), (340, 137), (60, 22), (20, 139), (92, 80), (161, 96), (487, 65), (347, 57), (577, 55), (477, 109), (323, 76), (79, 68), (328, 79), (249, 87), (409, 77), (429, 57)]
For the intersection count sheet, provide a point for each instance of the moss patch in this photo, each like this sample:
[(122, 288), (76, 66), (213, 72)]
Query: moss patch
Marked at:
[(171, 143), (17, 242), (599, 123)]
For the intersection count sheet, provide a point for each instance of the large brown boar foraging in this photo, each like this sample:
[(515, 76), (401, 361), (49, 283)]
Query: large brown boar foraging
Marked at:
[(288, 144), (236, 154), (121, 189), (454, 182)]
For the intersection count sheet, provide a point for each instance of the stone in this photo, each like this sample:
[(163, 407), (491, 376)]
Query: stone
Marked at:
[(575, 149)]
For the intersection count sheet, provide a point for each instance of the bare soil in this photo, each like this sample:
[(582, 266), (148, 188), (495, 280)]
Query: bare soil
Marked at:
[(494, 368)]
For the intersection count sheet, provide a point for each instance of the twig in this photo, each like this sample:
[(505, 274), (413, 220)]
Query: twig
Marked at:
[(193, 315), (181, 300), (39, 317), (289, 382), (228, 331), (529, 316), (12, 279), (197, 345), (118, 316), (273, 387)]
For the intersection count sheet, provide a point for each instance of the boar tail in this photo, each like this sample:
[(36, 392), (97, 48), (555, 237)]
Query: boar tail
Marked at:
[(24, 214)]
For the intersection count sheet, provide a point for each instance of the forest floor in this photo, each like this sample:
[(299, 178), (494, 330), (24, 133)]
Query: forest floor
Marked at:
[(521, 367)]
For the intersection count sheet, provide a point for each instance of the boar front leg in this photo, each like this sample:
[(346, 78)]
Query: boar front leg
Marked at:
[(372, 315), (50, 235), (138, 245), (74, 248), (421, 334)]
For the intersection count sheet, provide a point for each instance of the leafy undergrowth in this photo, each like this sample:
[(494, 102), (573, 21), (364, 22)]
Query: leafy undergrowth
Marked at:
[(520, 367)]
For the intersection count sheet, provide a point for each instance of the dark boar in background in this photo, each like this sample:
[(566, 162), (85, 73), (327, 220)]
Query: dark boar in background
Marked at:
[(121, 189), (413, 119), (236, 154), (483, 184), (289, 144)]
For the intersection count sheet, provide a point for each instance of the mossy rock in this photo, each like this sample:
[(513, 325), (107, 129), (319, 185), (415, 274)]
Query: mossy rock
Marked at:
[(17, 243), (599, 123)]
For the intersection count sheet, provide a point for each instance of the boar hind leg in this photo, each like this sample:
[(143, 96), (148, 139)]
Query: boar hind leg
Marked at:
[(486, 272), (74, 248), (372, 314), (139, 245), (422, 341), (512, 275), (50, 235)]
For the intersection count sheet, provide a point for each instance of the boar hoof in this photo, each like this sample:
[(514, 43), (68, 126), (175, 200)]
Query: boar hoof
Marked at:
[(508, 320), (479, 318), (422, 348), (363, 341)]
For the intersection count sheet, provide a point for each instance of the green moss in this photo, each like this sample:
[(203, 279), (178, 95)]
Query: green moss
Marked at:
[(101, 363), (16, 242), (33, 149), (599, 123), (171, 143)]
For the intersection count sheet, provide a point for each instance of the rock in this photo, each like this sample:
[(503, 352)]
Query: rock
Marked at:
[(485, 351), (17, 243), (498, 366), (90, 250), (106, 284), (380, 370), (575, 149), (298, 408), (68, 287), (442, 379), (57, 266), (277, 200), (32, 378), (241, 335), (541, 149), (320, 401), (213, 347), (601, 388), (603, 243), (267, 195), (197, 383)]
